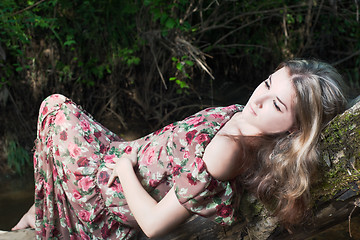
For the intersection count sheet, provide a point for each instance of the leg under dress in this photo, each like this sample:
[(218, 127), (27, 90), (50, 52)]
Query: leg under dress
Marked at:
[(69, 150)]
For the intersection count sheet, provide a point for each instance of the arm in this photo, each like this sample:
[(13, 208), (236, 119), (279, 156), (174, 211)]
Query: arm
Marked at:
[(221, 158), (154, 218)]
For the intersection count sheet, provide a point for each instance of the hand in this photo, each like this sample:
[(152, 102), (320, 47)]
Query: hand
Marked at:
[(129, 158)]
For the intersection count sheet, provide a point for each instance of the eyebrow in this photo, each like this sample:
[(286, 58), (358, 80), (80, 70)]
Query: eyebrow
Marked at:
[(278, 97), (282, 103)]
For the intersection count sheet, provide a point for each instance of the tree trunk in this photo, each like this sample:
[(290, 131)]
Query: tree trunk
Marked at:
[(335, 196)]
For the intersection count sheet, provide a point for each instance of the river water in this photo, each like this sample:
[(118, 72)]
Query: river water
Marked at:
[(14, 203), (16, 197)]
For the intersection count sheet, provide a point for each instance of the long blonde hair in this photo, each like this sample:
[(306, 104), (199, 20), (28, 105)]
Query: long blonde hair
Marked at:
[(286, 166)]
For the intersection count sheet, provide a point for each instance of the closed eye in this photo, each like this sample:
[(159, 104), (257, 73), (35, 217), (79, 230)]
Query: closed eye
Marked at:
[(276, 106), (268, 82), (267, 85)]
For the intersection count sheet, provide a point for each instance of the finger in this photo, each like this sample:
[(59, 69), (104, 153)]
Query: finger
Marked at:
[(111, 179), (110, 165), (132, 155), (133, 152)]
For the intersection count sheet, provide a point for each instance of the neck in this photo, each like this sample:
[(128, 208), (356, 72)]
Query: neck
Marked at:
[(245, 128)]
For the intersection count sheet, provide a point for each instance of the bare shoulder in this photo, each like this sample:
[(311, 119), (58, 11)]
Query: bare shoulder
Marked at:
[(221, 155)]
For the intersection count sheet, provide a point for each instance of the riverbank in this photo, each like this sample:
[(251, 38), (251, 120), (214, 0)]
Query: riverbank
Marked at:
[(25, 234)]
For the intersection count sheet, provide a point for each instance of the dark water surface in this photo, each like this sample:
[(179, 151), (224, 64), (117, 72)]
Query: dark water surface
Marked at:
[(14, 203), (16, 197)]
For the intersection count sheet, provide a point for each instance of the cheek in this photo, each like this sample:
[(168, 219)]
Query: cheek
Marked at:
[(279, 123)]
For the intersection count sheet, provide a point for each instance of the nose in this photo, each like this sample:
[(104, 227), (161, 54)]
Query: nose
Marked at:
[(259, 101)]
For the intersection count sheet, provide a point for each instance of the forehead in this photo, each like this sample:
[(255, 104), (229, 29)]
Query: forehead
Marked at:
[(283, 86)]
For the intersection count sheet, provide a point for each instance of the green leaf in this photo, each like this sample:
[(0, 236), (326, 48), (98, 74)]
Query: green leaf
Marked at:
[(179, 66), (189, 63), (170, 23), (69, 42)]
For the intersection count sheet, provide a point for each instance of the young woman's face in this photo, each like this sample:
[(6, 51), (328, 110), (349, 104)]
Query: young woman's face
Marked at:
[(270, 107)]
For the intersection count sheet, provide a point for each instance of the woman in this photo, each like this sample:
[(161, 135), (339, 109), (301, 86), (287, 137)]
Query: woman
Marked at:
[(189, 167)]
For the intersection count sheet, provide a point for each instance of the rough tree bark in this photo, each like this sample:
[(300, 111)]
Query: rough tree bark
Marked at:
[(335, 196)]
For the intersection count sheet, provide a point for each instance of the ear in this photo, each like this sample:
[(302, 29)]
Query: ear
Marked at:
[(292, 129)]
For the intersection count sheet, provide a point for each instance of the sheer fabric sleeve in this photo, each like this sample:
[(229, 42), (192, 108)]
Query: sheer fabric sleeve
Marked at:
[(195, 188)]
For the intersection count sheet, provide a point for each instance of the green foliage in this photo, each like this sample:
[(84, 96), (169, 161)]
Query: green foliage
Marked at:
[(79, 28), (17, 157), (152, 58), (182, 76), (168, 14)]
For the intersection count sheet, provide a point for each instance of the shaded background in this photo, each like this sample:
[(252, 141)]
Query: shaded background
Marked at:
[(137, 65)]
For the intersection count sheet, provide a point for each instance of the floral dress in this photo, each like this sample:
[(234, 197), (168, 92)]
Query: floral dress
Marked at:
[(72, 199)]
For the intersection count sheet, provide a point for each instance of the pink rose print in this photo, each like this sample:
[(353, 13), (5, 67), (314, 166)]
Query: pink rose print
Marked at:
[(190, 136), (74, 150), (149, 156), (102, 148), (83, 162), (109, 158), (47, 188), (34, 160), (213, 184), (83, 235), (60, 197), (89, 139), (107, 229), (223, 210), (153, 182), (157, 132), (60, 118), (116, 186), (186, 154), (49, 143), (176, 170), (95, 157), (199, 164), (57, 153), (231, 107), (122, 216), (202, 137), (217, 115), (39, 212), (76, 194), (77, 114), (63, 135), (44, 110), (190, 178), (103, 178), (171, 159), (85, 183), (195, 120), (54, 96), (55, 172), (97, 134), (170, 126), (50, 120), (85, 125), (128, 149)]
